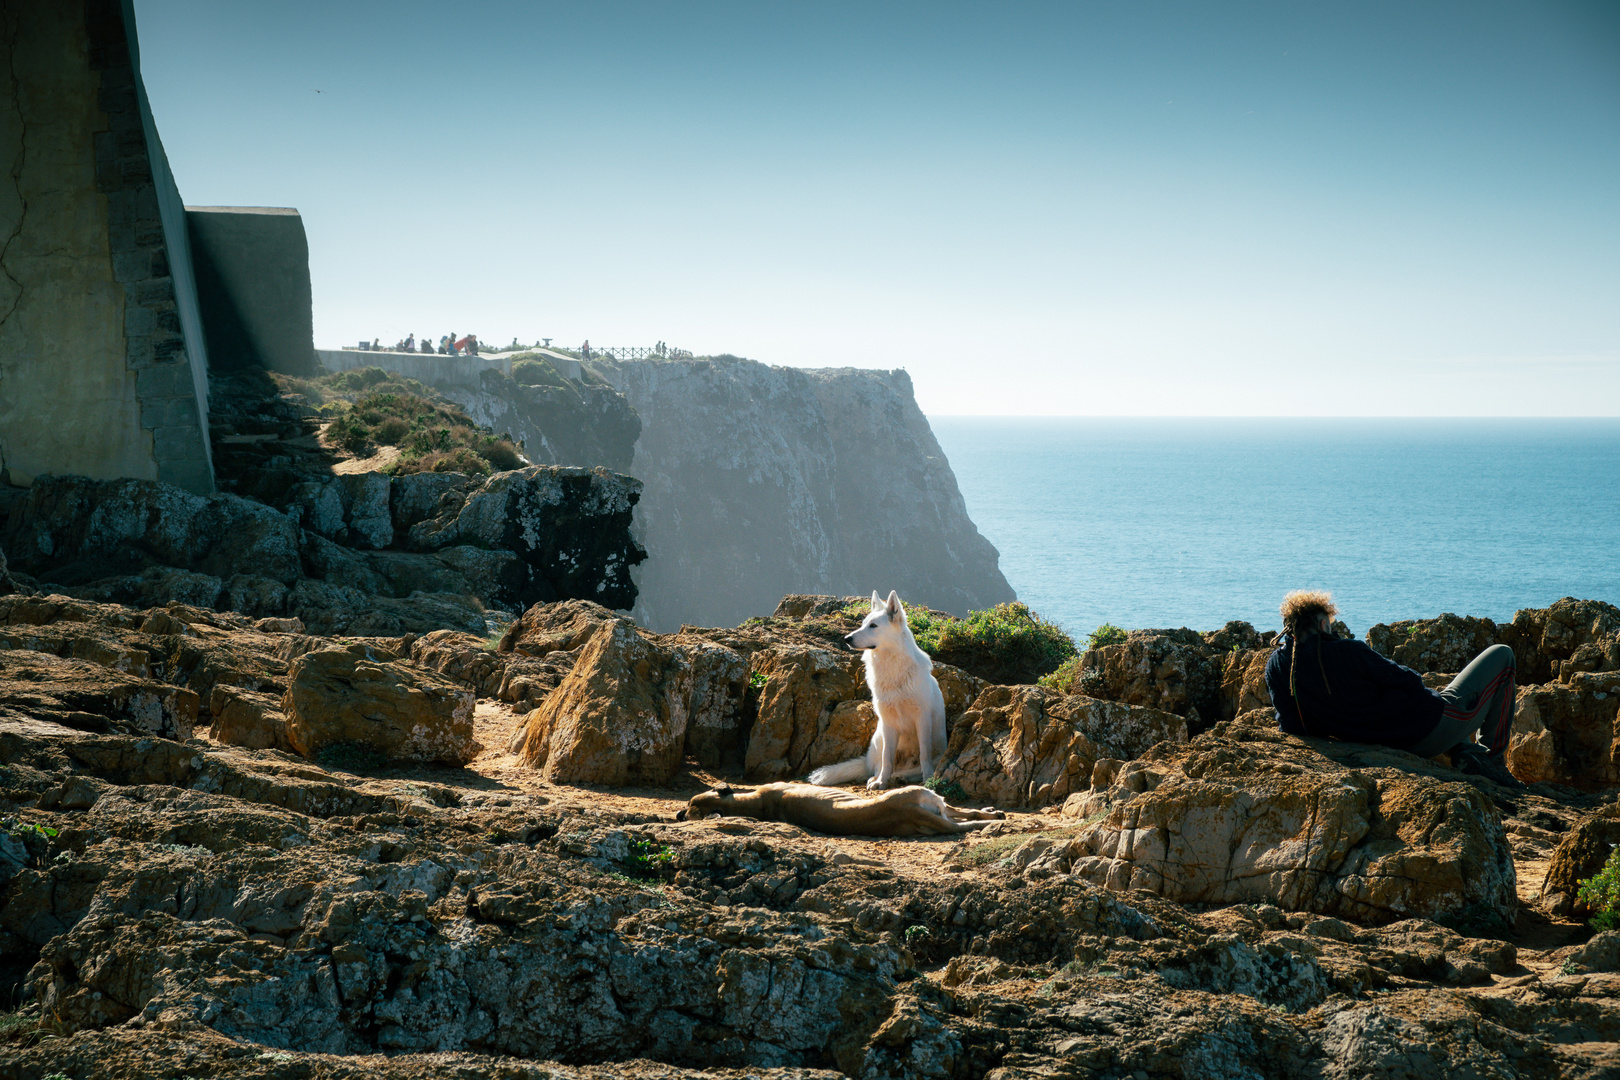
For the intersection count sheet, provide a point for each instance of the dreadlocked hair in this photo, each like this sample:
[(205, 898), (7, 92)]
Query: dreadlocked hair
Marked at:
[(1302, 612)]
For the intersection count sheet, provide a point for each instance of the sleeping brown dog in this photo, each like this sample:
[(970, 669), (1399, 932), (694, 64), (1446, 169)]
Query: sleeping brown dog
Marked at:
[(907, 811)]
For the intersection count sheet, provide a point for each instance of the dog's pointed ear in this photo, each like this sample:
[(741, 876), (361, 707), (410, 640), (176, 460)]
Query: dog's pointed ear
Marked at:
[(877, 601), (893, 604)]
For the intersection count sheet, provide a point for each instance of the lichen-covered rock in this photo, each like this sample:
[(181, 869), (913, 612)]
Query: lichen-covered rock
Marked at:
[(1568, 733), (618, 718), (1580, 854), (570, 526), (713, 680), (247, 718), (566, 625), (1027, 746), (86, 529), (1170, 670), (1245, 814), (462, 657), (364, 697), (92, 697), (801, 689), (1571, 636), (1444, 644)]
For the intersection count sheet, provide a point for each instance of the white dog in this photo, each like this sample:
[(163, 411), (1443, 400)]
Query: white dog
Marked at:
[(910, 735)]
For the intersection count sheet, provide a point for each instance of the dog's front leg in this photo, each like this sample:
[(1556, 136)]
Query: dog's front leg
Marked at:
[(887, 740)]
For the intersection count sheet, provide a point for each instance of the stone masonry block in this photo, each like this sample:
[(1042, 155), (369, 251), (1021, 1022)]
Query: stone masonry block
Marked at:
[(176, 443), (163, 381), (169, 412)]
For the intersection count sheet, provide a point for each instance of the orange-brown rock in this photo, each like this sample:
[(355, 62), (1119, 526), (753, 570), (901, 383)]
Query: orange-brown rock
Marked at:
[(618, 718), (462, 657), (247, 718), (1580, 854), (1571, 636), (1028, 746), (1568, 733), (801, 689), (364, 696), (1445, 644), (563, 626), (1246, 814), (92, 697)]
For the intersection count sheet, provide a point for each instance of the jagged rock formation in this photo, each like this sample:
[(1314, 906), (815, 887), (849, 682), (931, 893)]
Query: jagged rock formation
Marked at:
[(762, 481), (357, 553), (171, 904), (577, 423)]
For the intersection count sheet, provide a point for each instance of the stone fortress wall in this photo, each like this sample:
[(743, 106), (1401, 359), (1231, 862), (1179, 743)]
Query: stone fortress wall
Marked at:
[(103, 370)]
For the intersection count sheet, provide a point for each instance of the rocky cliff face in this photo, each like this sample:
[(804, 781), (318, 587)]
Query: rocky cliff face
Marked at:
[(576, 424), (762, 481)]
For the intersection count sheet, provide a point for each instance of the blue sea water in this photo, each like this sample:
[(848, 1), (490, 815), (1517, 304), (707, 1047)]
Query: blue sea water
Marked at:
[(1191, 522)]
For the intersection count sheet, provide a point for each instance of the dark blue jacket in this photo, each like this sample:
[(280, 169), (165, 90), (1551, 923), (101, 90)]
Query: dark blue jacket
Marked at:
[(1373, 700)]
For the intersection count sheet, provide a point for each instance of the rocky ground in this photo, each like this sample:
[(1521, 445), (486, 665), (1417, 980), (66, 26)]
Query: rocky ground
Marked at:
[(233, 848)]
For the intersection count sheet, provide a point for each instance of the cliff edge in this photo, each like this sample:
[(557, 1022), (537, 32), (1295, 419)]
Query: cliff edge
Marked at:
[(764, 480)]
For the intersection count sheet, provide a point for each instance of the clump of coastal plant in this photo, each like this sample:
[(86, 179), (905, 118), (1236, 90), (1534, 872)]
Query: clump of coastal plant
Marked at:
[(372, 408), (1601, 893)]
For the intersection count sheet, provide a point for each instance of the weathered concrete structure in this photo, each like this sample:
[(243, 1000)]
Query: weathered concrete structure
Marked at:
[(103, 366), (253, 286)]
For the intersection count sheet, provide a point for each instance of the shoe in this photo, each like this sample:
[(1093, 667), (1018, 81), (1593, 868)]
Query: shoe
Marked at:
[(1472, 760)]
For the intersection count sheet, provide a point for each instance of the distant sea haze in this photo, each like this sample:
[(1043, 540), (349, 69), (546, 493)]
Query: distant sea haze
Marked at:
[(1192, 522)]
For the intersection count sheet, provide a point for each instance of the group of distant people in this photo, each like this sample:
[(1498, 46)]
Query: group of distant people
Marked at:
[(449, 345)]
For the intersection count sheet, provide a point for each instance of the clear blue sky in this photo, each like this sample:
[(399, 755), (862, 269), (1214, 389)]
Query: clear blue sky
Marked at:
[(1405, 208)]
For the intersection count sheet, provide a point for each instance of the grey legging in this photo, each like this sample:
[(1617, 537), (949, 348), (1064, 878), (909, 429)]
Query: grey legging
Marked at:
[(1480, 698)]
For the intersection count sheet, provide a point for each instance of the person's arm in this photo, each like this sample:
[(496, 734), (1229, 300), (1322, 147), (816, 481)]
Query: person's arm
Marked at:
[(1277, 682), (1386, 672)]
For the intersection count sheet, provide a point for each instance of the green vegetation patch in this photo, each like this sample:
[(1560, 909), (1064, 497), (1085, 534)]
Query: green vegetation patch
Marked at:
[(649, 861), (1008, 644), (949, 790), (1601, 893), (372, 408), (1105, 635)]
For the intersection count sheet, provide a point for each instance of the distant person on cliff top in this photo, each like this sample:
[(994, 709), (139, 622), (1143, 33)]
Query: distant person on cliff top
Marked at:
[(427, 344), (410, 343), (1325, 685), (455, 350), (585, 350), (468, 345)]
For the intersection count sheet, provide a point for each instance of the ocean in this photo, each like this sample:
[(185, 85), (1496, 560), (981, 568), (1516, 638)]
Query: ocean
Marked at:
[(1192, 522)]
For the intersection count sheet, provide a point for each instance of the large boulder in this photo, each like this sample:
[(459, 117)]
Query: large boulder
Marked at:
[(713, 680), (1246, 814), (1571, 636), (1169, 670), (363, 696), (247, 718), (1580, 854), (618, 718), (801, 689), (1568, 733), (570, 526), (1445, 644), (1027, 746), (562, 626)]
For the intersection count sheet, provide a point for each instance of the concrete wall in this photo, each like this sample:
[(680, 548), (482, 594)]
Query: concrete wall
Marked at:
[(252, 266), (102, 365), (463, 371)]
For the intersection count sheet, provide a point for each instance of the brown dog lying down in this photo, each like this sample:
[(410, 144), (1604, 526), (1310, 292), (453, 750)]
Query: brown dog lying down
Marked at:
[(907, 811)]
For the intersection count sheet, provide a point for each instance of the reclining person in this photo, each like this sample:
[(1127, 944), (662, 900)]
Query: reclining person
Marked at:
[(1324, 685)]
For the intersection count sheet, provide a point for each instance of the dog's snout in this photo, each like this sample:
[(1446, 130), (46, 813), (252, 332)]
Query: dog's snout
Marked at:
[(680, 815)]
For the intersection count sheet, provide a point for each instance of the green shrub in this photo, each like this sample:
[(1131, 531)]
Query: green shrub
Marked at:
[(533, 369), (1601, 893), (949, 790), (502, 454), (1008, 644), (1106, 634)]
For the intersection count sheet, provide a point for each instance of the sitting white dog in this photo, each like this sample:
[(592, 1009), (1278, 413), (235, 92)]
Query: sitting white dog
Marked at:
[(910, 735)]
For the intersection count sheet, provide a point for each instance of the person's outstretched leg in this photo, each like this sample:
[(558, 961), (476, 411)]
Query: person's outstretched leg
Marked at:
[(1480, 698)]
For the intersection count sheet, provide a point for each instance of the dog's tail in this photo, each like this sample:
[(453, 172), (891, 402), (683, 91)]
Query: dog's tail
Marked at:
[(842, 773)]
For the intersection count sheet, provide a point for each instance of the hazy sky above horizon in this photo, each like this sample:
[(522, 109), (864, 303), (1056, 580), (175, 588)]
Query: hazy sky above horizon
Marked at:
[(1091, 209)]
